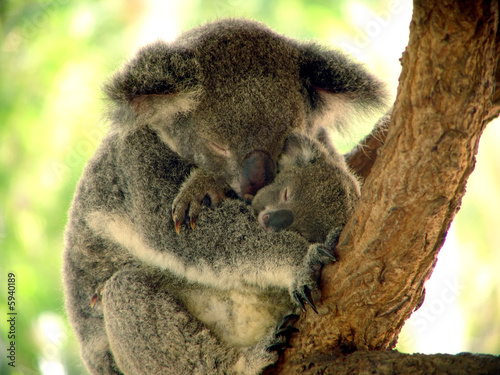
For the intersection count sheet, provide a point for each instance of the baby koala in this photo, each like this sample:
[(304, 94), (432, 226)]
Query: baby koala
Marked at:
[(313, 194)]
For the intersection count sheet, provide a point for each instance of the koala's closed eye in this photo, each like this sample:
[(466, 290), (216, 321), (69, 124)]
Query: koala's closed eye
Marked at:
[(285, 195), (219, 149)]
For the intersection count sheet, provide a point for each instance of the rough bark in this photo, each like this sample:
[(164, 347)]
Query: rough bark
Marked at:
[(392, 362), (389, 247), (362, 158)]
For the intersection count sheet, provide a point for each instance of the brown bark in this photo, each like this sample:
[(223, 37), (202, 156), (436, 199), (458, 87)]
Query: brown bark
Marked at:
[(392, 362), (362, 158), (389, 247)]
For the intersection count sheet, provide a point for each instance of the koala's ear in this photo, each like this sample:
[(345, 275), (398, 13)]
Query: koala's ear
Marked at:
[(159, 78), (298, 150), (337, 85)]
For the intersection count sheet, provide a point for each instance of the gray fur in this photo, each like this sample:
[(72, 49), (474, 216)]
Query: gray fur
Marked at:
[(217, 104), (312, 193)]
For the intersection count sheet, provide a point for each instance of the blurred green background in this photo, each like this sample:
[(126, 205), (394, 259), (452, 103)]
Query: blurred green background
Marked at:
[(54, 56)]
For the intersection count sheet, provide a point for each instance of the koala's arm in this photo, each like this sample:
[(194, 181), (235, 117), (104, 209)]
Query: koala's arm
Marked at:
[(227, 249)]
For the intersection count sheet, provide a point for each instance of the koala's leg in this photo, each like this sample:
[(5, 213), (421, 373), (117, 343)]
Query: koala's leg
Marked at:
[(88, 324), (151, 332), (95, 347)]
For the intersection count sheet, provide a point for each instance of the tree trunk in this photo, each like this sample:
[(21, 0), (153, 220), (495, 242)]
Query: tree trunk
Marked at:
[(411, 193)]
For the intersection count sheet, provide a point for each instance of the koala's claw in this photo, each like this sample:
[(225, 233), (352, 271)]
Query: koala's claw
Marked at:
[(326, 253), (178, 222), (306, 293), (305, 296), (177, 226), (279, 340), (288, 320), (278, 347), (193, 194), (298, 298), (95, 299), (287, 332)]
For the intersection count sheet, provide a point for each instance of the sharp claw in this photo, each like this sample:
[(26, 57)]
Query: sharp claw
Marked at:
[(289, 319), (191, 222), (327, 253), (286, 332), (178, 226), (95, 298), (278, 347), (173, 215), (306, 294), (298, 297)]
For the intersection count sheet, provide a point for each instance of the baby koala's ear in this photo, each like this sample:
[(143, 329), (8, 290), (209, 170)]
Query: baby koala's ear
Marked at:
[(298, 151)]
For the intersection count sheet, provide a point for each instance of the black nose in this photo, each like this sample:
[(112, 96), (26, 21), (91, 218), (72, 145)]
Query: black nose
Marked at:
[(259, 170), (278, 219)]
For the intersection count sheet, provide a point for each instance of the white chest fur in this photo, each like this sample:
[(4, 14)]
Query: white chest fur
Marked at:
[(240, 318)]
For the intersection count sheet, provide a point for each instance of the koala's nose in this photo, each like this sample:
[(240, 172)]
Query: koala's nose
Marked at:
[(259, 170), (277, 219)]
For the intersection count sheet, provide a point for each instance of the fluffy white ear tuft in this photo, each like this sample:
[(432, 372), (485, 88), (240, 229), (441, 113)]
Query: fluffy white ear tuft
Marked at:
[(339, 112), (336, 111), (161, 109), (297, 151)]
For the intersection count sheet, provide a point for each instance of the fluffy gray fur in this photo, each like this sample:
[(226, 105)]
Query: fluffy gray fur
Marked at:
[(313, 192), (215, 105)]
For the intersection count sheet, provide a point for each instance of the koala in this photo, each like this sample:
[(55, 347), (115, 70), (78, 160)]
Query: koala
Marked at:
[(204, 114), (313, 193)]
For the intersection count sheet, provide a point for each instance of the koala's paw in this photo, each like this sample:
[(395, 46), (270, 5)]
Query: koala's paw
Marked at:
[(305, 289), (254, 359), (266, 353), (283, 332), (190, 198)]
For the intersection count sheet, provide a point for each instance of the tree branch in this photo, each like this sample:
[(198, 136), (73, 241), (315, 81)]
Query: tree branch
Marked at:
[(389, 247), (393, 362), (362, 158), (495, 107)]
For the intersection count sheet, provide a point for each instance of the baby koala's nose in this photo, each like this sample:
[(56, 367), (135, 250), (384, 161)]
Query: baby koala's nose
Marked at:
[(276, 220)]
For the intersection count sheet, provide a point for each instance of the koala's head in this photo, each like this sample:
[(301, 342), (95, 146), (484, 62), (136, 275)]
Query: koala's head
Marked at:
[(312, 193), (225, 96)]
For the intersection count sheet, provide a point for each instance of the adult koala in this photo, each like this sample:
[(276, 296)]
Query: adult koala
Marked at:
[(216, 105)]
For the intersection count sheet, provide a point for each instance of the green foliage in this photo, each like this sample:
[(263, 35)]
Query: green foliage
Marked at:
[(54, 56)]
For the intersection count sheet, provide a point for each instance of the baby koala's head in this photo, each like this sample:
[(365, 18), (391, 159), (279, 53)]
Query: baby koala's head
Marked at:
[(312, 193)]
